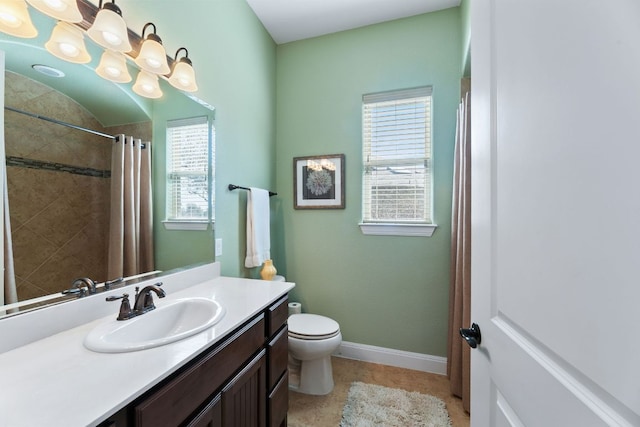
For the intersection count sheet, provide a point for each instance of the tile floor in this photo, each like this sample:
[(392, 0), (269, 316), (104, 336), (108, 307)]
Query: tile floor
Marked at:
[(325, 411)]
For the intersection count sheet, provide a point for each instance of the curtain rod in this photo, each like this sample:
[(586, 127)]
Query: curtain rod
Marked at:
[(234, 187), (58, 122)]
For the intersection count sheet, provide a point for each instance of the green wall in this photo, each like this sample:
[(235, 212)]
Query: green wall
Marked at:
[(234, 58), (384, 291), (174, 248)]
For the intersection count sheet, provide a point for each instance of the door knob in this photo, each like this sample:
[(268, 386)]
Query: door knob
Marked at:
[(471, 335)]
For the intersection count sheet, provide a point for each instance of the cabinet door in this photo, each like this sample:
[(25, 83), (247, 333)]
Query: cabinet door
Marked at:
[(244, 398), (211, 416), (279, 403)]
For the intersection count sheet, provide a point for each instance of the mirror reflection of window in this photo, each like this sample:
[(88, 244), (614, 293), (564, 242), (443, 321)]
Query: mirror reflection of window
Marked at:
[(190, 155)]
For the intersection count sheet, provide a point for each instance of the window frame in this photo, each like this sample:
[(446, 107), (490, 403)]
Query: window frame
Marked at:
[(186, 223), (397, 227)]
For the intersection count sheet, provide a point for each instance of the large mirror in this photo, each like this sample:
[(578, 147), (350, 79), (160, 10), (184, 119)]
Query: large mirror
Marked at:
[(58, 177)]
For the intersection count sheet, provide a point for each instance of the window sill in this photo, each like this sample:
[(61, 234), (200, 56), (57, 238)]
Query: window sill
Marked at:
[(387, 229), (187, 225)]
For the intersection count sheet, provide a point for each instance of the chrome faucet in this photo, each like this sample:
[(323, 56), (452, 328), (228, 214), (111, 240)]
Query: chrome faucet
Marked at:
[(82, 287), (143, 301)]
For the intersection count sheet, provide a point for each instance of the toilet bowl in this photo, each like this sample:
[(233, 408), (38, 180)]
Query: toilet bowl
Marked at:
[(312, 339)]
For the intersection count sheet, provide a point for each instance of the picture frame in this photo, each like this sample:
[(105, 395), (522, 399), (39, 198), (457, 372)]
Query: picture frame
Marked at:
[(318, 182)]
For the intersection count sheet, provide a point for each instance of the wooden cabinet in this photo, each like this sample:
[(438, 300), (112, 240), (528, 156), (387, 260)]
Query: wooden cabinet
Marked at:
[(243, 399), (279, 403), (210, 416), (239, 381), (278, 361)]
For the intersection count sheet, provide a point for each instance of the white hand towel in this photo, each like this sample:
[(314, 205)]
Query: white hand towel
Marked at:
[(258, 234)]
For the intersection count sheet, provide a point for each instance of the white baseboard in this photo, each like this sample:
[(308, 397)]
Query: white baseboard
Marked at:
[(391, 357)]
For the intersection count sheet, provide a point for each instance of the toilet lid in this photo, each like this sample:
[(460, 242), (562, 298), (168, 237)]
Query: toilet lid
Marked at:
[(312, 327)]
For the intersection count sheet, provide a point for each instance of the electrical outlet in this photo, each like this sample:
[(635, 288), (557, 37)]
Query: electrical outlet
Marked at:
[(218, 247)]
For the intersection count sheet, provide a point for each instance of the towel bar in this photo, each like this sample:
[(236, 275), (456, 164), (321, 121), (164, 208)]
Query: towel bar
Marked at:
[(235, 187)]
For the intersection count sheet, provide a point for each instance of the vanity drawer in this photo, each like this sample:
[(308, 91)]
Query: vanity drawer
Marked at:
[(279, 403), (176, 400), (278, 357), (277, 315)]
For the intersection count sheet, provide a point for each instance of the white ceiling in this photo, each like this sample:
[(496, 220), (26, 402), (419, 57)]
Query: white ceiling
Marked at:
[(290, 20)]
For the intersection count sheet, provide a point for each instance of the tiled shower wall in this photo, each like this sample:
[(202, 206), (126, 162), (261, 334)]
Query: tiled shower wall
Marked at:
[(59, 188)]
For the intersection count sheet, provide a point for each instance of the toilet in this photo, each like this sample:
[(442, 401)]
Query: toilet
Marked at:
[(312, 339)]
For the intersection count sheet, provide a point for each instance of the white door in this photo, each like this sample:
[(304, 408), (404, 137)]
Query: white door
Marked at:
[(556, 212)]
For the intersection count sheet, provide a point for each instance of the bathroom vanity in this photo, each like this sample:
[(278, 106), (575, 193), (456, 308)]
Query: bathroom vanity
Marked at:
[(234, 373)]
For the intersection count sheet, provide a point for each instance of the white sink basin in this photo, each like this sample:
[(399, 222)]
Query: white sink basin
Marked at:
[(166, 324)]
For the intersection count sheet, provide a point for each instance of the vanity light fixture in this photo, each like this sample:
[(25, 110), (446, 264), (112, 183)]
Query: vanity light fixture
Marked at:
[(109, 29), (15, 19), (113, 67), (63, 10), (67, 42), (147, 85), (182, 75), (152, 56)]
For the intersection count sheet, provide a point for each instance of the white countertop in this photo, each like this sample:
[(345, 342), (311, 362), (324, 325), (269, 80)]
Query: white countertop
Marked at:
[(56, 381)]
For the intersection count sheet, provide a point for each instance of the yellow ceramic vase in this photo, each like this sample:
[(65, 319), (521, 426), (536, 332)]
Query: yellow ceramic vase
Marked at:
[(268, 270)]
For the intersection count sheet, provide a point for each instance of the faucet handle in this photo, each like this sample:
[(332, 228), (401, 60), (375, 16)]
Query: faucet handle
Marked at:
[(125, 308), (108, 283), (80, 291)]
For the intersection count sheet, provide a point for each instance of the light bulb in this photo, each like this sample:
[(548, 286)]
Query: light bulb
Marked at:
[(113, 67), (10, 20), (56, 4), (109, 29), (111, 38), (113, 71), (147, 85), (15, 19), (69, 49), (67, 42), (152, 63), (183, 77), (62, 10)]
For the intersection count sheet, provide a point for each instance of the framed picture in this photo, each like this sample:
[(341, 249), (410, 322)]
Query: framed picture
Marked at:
[(318, 182)]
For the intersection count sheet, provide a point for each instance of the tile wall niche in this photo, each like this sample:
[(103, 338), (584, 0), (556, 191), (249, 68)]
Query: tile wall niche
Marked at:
[(59, 187)]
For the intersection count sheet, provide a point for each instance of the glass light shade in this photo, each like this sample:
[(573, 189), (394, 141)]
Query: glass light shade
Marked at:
[(110, 31), (63, 10), (183, 77), (15, 19), (67, 42), (152, 57), (113, 67), (147, 85)]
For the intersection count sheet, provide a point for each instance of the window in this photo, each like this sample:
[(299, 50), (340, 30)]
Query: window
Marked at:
[(190, 158), (396, 184)]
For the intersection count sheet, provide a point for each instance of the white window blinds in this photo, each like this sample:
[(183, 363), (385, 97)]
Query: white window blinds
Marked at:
[(188, 161), (397, 157)]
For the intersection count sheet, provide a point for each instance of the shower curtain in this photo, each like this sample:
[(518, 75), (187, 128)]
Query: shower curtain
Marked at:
[(130, 249), (458, 352), (10, 294)]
